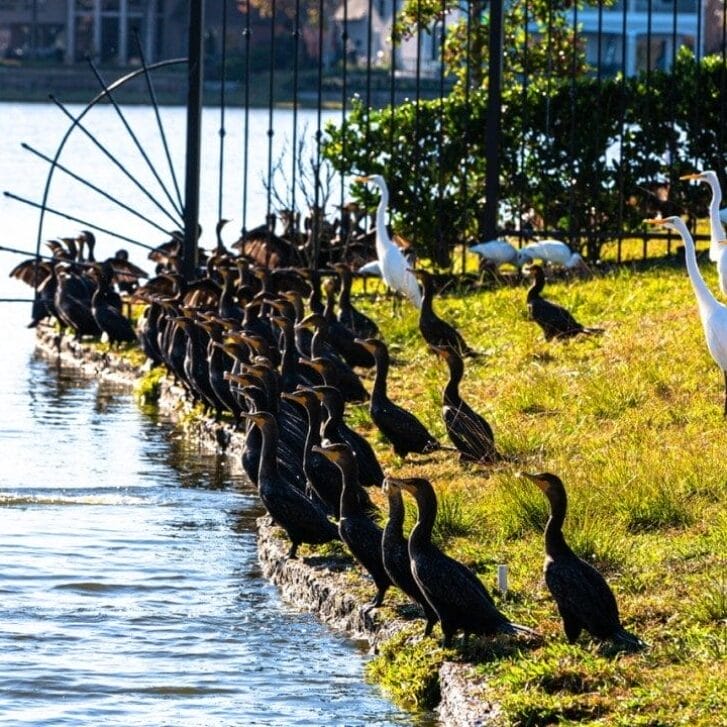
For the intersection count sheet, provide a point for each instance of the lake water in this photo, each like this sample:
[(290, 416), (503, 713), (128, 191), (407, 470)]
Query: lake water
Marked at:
[(129, 587)]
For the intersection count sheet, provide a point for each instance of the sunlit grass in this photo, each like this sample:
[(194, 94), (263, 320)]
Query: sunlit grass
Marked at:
[(632, 423)]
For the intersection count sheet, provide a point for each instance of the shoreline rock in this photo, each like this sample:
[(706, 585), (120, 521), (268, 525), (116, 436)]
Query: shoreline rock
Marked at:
[(320, 584)]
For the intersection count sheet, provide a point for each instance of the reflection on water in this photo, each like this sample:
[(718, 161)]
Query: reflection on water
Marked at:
[(129, 587)]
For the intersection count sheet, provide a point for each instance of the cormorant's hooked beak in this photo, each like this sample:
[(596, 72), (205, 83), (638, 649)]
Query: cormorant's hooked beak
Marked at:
[(394, 483), (330, 454), (537, 479), (366, 343)]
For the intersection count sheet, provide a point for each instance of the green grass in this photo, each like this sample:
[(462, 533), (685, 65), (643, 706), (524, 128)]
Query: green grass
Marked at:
[(632, 423)]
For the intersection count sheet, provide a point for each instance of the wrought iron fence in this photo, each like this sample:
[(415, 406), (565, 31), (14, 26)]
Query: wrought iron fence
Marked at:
[(525, 119)]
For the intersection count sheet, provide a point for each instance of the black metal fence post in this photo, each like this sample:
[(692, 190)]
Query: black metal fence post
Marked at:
[(194, 138), (493, 123)]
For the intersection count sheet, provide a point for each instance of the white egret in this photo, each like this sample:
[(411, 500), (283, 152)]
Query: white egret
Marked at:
[(392, 263), (370, 269), (717, 242), (555, 252), (711, 311), (500, 252)]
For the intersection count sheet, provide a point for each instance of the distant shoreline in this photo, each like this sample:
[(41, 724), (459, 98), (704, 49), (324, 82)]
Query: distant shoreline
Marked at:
[(77, 84)]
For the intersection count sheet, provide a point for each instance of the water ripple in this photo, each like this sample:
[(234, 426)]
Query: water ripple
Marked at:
[(143, 603)]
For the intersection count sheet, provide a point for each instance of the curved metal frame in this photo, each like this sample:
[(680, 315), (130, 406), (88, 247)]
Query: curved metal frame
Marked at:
[(102, 95)]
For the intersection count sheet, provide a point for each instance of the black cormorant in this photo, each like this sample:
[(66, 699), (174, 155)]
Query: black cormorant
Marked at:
[(349, 316), (360, 533), (555, 320), (405, 432), (395, 549), (434, 330), (302, 519), (335, 429), (469, 431), (452, 589), (583, 597)]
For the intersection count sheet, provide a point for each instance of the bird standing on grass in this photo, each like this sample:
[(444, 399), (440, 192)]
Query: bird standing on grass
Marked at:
[(453, 590), (555, 320), (405, 432), (500, 252), (356, 528), (555, 252), (434, 330), (395, 549), (711, 311), (393, 265), (717, 237), (469, 431), (585, 601)]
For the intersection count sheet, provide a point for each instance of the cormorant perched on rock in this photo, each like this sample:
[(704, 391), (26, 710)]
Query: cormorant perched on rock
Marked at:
[(302, 520), (584, 599), (356, 528), (72, 300), (555, 320), (405, 432), (322, 476), (469, 431), (434, 330), (453, 590), (105, 312), (395, 549)]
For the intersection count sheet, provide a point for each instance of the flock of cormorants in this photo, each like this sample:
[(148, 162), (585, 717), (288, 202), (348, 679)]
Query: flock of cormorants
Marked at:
[(241, 340)]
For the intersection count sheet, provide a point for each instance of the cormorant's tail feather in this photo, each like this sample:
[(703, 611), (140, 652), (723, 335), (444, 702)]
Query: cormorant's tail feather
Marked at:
[(437, 447), (511, 628), (621, 636)]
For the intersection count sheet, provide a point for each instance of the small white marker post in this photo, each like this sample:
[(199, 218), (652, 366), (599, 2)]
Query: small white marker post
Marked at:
[(502, 579)]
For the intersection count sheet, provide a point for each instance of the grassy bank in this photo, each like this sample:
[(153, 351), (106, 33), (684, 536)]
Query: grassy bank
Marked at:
[(632, 422)]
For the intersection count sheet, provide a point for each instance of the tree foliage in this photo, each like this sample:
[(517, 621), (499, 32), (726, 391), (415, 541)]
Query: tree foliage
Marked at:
[(575, 152)]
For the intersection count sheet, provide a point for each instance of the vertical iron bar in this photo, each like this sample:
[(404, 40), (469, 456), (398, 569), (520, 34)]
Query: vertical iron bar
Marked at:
[(160, 126), (493, 125), (344, 94), (246, 116), (622, 165), (294, 149), (223, 103), (572, 228), (464, 232), (525, 122), (271, 130), (369, 49), (720, 156), (440, 132), (392, 93), (315, 227), (698, 78), (194, 139)]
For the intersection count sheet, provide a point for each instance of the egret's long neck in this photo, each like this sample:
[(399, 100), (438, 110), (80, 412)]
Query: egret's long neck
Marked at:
[(716, 230), (381, 221), (705, 299)]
